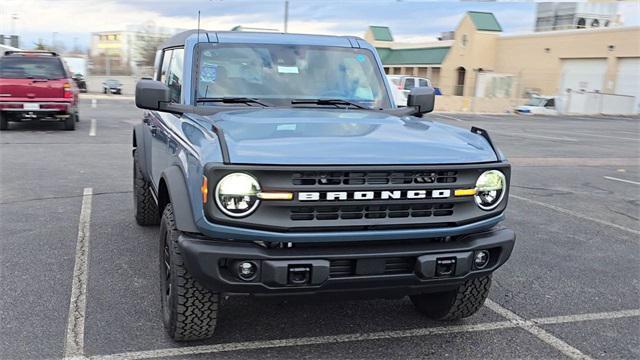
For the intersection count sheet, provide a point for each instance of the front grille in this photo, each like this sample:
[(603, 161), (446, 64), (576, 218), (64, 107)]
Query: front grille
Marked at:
[(374, 178), (334, 198), (347, 267), (350, 212)]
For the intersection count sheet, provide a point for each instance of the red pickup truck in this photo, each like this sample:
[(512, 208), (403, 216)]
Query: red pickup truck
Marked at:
[(36, 85)]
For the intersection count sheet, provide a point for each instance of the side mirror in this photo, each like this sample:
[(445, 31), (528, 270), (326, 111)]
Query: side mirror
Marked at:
[(422, 99), (150, 94)]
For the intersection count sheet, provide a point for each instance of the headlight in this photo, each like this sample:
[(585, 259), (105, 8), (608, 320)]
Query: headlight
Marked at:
[(237, 194), (490, 189)]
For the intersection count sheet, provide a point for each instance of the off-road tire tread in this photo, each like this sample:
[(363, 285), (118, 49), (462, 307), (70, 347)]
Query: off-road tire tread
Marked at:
[(468, 299), (146, 208), (197, 307)]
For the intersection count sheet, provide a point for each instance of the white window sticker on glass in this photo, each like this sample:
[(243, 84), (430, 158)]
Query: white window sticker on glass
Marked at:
[(287, 69), (209, 72)]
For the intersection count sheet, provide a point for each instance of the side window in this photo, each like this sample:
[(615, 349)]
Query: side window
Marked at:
[(409, 83), (423, 82), (174, 75), (166, 59), (551, 103)]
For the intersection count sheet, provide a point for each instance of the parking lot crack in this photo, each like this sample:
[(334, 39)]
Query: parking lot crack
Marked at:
[(63, 197)]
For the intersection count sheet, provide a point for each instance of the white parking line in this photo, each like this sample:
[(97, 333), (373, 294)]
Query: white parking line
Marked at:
[(266, 344), (449, 117), (578, 215), (94, 103), (587, 317), (331, 339), (532, 136), (622, 180), (540, 333), (74, 338), (92, 131)]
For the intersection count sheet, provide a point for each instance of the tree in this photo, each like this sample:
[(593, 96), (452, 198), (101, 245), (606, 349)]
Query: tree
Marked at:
[(40, 45), (147, 45)]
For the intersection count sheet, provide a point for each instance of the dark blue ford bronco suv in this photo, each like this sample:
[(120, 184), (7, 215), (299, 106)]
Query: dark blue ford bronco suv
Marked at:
[(279, 164)]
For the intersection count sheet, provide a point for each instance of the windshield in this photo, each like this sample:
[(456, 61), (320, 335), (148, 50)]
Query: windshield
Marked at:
[(281, 73), (31, 67), (536, 101)]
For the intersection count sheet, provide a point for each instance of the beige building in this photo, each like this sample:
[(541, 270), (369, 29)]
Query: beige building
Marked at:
[(477, 59)]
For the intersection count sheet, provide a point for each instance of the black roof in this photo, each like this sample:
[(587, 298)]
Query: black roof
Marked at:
[(179, 38)]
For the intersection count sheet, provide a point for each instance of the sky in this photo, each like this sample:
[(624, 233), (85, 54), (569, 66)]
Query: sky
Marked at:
[(72, 21)]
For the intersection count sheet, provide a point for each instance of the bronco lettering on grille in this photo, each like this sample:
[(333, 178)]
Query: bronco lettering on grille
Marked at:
[(374, 195)]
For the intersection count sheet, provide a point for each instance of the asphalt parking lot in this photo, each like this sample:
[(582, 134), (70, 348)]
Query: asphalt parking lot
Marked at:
[(571, 288)]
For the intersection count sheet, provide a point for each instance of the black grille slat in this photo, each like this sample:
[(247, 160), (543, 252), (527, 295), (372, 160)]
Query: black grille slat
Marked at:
[(374, 178), (349, 212)]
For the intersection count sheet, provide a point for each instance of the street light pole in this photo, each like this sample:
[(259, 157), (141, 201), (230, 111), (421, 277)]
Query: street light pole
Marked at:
[(286, 15)]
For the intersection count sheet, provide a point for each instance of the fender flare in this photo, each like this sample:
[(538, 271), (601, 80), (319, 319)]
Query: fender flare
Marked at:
[(179, 198), (138, 147)]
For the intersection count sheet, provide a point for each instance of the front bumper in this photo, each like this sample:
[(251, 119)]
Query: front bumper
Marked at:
[(395, 268)]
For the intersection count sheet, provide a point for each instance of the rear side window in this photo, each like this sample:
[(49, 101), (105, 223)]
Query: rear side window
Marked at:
[(174, 75), (409, 83), (31, 67), (166, 59), (423, 82)]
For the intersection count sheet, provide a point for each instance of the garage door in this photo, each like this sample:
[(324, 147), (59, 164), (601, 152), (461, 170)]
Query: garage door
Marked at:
[(583, 74), (628, 79)]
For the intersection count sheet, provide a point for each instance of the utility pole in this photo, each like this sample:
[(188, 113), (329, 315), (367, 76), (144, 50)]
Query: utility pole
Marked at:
[(53, 41), (286, 15), (14, 17)]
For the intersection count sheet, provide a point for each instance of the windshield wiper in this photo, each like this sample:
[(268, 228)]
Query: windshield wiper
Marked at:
[(232, 100), (334, 102)]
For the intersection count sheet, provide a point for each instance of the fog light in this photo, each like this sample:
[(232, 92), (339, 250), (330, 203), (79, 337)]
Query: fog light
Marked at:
[(481, 259), (247, 270)]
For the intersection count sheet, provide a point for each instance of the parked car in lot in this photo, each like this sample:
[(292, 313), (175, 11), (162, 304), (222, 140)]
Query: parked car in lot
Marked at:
[(276, 164), (406, 83), (541, 105), (36, 85), (112, 86), (399, 96), (81, 83)]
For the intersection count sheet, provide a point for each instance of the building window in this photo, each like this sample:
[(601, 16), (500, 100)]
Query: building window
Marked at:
[(459, 90), (464, 40)]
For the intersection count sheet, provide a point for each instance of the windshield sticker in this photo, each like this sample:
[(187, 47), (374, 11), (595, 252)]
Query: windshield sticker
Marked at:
[(361, 58), (287, 69), (208, 72), (286, 127)]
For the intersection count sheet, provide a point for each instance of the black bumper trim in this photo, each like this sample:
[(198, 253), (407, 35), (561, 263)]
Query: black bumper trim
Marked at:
[(208, 260)]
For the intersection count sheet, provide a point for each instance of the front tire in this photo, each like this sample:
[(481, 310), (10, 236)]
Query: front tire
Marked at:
[(144, 205), (70, 122), (460, 303), (4, 122), (189, 311)]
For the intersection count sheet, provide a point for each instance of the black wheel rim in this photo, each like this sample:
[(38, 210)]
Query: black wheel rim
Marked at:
[(165, 274)]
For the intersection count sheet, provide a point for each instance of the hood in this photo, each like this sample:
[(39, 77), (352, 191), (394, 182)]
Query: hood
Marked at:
[(345, 137)]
